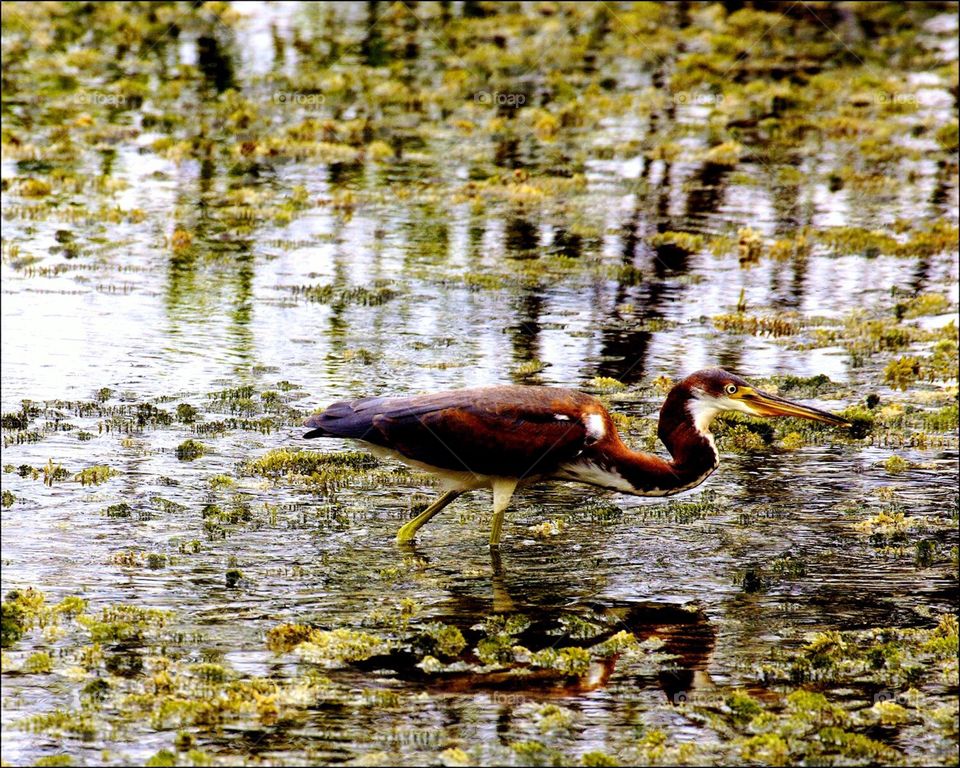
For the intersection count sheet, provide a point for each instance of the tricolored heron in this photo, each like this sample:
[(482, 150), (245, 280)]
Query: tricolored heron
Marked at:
[(508, 436)]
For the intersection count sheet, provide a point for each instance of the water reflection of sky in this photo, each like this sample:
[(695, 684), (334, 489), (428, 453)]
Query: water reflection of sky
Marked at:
[(67, 336), (143, 338)]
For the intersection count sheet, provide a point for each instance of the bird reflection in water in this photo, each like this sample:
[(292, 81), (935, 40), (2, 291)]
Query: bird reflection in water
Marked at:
[(680, 669)]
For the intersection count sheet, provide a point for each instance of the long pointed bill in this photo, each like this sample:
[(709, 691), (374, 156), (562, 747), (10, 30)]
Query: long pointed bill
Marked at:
[(764, 404)]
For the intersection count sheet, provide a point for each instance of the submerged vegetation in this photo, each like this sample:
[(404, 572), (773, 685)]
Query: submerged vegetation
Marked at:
[(219, 217), (888, 681)]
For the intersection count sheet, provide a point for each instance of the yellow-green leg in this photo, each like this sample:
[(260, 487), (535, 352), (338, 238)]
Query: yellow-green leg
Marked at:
[(409, 530), (502, 600), (502, 491)]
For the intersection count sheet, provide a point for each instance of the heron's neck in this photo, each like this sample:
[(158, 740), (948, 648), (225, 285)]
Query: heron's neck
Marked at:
[(684, 429)]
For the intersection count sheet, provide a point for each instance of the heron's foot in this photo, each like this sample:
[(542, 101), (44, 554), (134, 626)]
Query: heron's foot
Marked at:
[(407, 532), (409, 529)]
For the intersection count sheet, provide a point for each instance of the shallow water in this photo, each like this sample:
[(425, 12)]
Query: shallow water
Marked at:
[(131, 314)]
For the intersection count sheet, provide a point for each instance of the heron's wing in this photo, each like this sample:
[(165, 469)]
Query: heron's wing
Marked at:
[(509, 431)]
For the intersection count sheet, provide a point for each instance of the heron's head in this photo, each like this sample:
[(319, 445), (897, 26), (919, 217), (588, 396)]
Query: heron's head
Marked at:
[(714, 390)]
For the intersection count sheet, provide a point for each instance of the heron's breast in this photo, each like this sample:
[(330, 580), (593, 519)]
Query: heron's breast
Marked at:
[(590, 472)]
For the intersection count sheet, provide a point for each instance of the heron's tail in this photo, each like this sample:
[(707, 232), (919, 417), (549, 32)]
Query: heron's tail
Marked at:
[(318, 430), (352, 418)]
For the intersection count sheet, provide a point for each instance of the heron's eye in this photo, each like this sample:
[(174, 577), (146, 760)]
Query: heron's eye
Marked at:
[(731, 389)]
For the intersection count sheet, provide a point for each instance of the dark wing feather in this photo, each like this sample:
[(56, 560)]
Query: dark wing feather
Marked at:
[(512, 431)]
